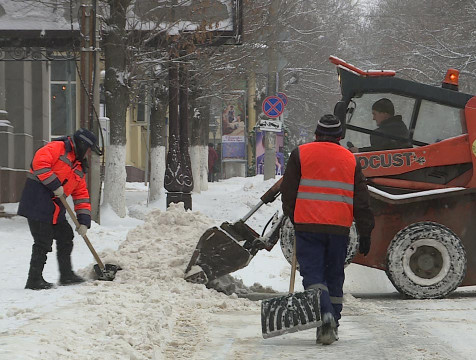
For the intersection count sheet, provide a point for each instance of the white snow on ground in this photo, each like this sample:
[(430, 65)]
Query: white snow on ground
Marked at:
[(150, 312)]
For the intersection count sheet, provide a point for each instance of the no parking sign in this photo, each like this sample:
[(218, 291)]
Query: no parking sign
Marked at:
[(273, 106)]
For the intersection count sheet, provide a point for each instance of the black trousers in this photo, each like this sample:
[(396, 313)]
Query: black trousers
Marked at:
[(44, 234)]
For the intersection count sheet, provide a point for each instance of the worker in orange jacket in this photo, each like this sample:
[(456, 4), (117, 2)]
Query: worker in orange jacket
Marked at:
[(58, 169), (323, 191)]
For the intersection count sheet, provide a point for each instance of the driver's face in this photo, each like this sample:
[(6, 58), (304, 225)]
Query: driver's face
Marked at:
[(379, 116)]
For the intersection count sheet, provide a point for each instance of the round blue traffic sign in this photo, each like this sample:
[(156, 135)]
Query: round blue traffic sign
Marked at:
[(273, 106), (283, 97)]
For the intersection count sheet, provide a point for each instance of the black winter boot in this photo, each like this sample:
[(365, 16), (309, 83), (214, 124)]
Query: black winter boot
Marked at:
[(70, 279), (35, 275), (67, 276), (35, 283)]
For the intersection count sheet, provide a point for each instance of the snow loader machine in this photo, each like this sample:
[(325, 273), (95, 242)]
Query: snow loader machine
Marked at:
[(423, 195)]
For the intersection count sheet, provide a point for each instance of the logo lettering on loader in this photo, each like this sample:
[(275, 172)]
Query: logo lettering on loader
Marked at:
[(391, 160)]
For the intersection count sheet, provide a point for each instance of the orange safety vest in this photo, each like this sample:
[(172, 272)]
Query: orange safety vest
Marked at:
[(326, 190)]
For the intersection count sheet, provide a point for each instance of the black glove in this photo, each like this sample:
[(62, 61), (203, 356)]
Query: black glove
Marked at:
[(364, 245)]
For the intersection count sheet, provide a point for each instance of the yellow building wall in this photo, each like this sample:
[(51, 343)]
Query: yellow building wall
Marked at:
[(136, 135)]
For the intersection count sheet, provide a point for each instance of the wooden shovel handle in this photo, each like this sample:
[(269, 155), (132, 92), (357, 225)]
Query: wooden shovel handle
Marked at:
[(293, 268), (86, 240)]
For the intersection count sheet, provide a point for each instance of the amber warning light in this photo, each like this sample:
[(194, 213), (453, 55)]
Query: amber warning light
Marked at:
[(451, 79)]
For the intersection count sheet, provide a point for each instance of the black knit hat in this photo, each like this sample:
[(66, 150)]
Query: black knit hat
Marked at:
[(83, 140), (384, 105), (329, 125)]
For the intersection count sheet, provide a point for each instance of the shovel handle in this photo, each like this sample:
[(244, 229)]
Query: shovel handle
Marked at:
[(86, 240), (272, 193)]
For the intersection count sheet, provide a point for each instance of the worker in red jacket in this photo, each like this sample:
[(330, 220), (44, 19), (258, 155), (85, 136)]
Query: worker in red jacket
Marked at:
[(58, 169), (323, 192)]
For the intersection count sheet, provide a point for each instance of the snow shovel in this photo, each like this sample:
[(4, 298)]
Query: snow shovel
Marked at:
[(230, 247), (293, 312), (104, 272)]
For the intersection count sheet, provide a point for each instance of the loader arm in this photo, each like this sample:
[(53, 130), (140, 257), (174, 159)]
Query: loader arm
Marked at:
[(273, 192), (231, 246)]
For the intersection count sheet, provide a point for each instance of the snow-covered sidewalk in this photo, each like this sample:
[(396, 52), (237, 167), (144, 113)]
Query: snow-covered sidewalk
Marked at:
[(150, 312)]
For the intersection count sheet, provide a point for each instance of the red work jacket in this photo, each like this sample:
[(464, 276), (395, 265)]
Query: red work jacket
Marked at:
[(53, 165)]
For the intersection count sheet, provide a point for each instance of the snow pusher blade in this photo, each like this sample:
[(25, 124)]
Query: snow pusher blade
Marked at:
[(108, 273), (290, 313), (230, 247)]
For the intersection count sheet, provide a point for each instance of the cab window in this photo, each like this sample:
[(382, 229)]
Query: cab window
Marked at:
[(360, 116), (437, 122)]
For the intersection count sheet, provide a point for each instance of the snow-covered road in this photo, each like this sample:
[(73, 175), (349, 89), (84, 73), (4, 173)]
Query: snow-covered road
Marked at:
[(150, 312), (373, 327)]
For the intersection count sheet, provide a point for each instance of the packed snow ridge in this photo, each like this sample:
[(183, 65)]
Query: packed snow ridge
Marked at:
[(149, 295)]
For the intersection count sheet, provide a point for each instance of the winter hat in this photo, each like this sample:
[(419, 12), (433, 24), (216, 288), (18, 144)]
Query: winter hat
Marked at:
[(329, 125), (384, 105), (84, 140)]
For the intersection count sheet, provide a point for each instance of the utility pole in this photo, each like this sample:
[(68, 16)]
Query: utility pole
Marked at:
[(251, 116), (273, 83), (89, 96)]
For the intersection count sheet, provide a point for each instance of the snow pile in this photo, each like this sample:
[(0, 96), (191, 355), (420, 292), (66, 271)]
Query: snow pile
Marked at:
[(148, 310)]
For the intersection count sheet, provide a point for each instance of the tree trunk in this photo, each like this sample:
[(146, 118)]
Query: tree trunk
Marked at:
[(117, 100), (195, 146), (203, 131), (157, 142)]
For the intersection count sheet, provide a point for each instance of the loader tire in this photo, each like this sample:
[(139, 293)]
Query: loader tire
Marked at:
[(426, 260), (353, 245), (286, 239)]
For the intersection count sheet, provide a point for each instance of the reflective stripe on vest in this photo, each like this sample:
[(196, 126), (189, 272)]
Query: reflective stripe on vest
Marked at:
[(326, 190)]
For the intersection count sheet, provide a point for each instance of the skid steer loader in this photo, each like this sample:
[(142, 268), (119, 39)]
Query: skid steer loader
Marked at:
[(423, 194)]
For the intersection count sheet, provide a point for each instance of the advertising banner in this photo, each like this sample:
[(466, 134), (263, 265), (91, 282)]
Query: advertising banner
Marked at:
[(233, 131), (260, 149)]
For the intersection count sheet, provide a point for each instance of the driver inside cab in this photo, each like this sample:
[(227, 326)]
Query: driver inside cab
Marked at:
[(391, 132)]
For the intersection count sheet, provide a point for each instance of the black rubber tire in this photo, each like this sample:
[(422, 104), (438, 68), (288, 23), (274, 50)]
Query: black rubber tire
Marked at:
[(286, 238), (426, 260), (353, 245)]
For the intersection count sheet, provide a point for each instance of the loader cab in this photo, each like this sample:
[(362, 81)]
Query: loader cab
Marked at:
[(427, 122), (429, 146)]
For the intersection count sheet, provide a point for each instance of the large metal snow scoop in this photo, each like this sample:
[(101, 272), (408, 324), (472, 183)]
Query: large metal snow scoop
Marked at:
[(230, 247)]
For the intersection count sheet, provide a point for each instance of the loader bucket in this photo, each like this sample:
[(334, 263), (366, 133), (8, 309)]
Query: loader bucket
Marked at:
[(221, 251)]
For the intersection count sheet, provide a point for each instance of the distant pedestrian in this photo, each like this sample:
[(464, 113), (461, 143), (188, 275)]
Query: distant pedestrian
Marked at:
[(212, 158), (323, 191), (57, 169)]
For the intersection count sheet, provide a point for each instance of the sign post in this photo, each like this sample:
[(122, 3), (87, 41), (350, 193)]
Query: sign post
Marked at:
[(273, 107)]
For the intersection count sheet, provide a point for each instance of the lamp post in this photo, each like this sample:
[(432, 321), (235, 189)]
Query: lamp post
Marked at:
[(178, 179)]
